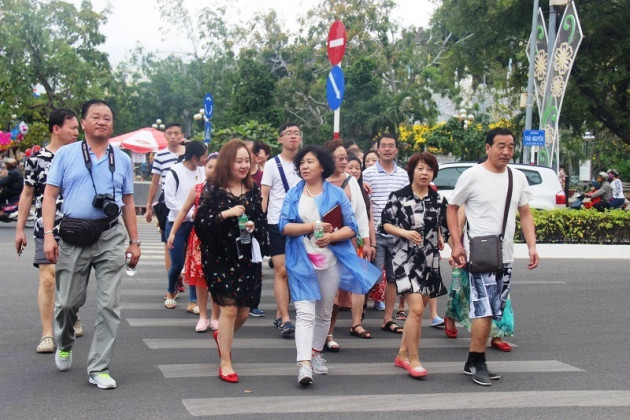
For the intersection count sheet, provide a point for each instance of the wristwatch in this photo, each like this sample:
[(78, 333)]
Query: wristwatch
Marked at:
[(137, 242)]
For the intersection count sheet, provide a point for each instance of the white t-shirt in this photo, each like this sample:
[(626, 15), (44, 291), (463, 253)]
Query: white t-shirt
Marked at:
[(271, 177), (484, 193), (322, 258), (175, 195), (358, 207)]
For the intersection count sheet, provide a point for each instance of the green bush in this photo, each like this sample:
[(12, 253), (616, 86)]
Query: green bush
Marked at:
[(579, 227)]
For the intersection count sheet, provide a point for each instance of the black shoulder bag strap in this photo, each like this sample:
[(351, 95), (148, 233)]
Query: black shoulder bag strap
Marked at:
[(508, 198), (345, 182), (507, 202), (88, 165), (176, 179), (282, 175)]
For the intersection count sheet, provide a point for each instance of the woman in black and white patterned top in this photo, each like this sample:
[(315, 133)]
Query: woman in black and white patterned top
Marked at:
[(416, 215)]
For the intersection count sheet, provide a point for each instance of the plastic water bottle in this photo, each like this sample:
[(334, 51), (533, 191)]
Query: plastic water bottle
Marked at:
[(318, 232), (457, 272), (131, 271), (246, 235)]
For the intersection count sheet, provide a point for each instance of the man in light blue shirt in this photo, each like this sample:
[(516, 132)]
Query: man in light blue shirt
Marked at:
[(83, 172)]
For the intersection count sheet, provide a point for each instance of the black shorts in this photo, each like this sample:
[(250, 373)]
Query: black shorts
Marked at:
[(276, 241)]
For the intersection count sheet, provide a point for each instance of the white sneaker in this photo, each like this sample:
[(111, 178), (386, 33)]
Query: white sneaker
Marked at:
[(319, 363), (305, 375), (78, 328), (63, 360), (102, 380)]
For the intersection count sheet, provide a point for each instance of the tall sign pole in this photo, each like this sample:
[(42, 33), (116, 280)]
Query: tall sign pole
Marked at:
[(336, 47)]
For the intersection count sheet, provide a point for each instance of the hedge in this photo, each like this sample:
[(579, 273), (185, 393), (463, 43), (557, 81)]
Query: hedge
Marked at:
[(579, 226)]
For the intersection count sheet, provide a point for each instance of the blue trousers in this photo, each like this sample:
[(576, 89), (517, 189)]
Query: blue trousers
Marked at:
[(178, 256)]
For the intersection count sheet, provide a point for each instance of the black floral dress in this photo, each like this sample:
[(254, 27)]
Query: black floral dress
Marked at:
[(417, 268), (231, 281)]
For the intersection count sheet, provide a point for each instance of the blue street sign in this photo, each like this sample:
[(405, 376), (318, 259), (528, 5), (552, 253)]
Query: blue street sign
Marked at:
[(533, 137), (335, 86), (207, 131), (208, 105)]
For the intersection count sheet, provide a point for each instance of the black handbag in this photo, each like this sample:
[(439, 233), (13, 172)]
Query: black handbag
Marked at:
[(83, 232), (486, 252), (161, 212)]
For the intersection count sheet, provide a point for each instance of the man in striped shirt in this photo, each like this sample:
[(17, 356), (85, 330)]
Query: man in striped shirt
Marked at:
[(162, 162), (385, 177)]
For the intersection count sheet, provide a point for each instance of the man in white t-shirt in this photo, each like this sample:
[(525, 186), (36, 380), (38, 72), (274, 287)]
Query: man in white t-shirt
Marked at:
[(483, 190), (278, 176), (180, 179), (162, 162)]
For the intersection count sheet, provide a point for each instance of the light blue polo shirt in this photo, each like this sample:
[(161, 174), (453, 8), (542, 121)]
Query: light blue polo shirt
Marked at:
[(68, 172)]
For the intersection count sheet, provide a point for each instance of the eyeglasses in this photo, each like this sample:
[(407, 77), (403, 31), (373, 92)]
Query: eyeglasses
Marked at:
[(341, 158), (296, 133), (96, 118), (387, 146)]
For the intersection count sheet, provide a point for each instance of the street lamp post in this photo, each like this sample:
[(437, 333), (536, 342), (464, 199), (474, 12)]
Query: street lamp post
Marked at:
[(158, 125), (464, 118)]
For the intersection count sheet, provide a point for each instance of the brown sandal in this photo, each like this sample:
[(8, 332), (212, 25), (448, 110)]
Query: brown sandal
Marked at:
[(363, 334)]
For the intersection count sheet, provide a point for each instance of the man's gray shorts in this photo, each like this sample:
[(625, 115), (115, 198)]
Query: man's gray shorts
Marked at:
[(384, 256), (489, 293), (40, 257)]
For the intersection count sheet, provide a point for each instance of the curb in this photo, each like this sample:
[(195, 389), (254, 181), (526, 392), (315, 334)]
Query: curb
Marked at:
[(567, 251)]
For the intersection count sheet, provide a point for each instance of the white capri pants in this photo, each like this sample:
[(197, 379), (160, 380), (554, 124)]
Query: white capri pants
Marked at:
[(312, 317)]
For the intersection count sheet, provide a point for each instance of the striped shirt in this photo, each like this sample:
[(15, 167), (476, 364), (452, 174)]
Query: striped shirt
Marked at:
[(383, 184), (162, 162)]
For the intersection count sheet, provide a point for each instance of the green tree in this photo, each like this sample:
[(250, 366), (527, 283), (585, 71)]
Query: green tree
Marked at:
[(54, 46)]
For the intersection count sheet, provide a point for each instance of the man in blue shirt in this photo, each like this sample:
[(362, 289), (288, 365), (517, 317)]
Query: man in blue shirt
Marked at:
[(108, 171)]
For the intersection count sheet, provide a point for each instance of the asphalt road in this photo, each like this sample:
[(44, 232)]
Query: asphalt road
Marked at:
[(569, 358)]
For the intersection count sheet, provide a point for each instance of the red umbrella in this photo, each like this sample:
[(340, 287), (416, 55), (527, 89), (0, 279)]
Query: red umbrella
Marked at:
[(144, 140)]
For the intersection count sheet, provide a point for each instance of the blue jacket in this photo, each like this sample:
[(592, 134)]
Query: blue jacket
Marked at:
[(356, 274)]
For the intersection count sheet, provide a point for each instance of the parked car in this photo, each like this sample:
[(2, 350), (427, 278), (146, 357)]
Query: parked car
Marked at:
[(543, 183)]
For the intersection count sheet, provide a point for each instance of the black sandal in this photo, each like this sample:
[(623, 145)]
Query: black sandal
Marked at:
[(392, 328), (363, 334)]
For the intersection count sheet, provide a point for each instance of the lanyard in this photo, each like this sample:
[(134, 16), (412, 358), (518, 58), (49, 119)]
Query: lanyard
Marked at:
[(88, 165)]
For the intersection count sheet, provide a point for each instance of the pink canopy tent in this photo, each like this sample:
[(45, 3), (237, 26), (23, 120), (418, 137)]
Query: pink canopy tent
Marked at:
[(144, 140)]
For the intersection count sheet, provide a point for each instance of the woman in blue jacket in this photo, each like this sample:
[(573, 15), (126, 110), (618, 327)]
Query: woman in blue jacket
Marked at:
[(317, 267)]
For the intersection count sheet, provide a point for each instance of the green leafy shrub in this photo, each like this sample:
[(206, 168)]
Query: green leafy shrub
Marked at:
[(579, 227)]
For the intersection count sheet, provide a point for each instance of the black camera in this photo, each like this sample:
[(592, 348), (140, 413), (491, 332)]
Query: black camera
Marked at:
[(107, 203)]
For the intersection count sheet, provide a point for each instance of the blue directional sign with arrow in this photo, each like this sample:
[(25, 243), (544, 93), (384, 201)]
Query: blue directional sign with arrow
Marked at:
[(208, 105), (335, 86), (207, 131)]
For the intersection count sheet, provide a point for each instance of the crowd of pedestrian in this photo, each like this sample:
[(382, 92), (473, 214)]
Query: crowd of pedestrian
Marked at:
[(338, 224)]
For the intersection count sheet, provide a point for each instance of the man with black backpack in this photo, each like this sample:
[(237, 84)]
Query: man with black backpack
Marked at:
[(279, 175), (162, 162)]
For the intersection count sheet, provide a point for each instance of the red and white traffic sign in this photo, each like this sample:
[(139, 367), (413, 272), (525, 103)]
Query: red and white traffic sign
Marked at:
[(336, 42)]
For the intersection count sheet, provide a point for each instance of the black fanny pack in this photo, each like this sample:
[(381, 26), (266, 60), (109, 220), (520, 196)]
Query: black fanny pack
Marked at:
[(84, 232)]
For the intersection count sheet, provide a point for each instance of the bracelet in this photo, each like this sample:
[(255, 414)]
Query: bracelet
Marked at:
[(313, 227), (46, 232), (373, 246)]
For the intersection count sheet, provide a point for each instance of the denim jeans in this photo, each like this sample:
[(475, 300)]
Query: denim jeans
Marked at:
[(178, 256)]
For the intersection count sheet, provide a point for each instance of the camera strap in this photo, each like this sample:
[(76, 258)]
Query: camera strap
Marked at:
[(88, 164)]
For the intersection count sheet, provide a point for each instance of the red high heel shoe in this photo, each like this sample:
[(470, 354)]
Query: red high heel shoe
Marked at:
[(450, 333), (231, 378), (501, 346)]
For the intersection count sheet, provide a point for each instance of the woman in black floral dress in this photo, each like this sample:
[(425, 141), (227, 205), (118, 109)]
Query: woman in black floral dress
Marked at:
[(416, 215), (233, 280)]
